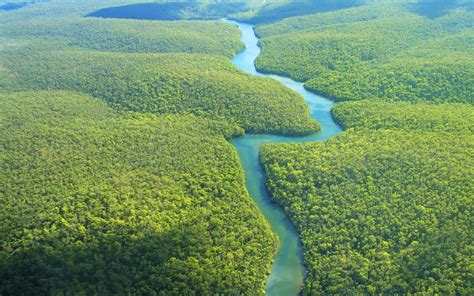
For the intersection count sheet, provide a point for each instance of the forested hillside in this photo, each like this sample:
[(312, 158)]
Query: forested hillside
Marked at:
[(116, 176), (204, 85), (99, 202), (385, 208), (275, 10), (375, 51), (46, 52), (448, 118), (212, 37), (174, 10)]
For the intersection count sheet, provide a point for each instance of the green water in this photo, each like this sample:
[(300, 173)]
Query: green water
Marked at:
[(287, 274)]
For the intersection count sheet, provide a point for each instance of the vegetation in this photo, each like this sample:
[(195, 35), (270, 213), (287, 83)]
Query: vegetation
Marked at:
[(172, 10), (276, 10), (211, 37), (449, 118), (126, 184), (208, 86), (100, 202), (59, 8), (40, 51), (116, 176), (386, 207), (375, 52), (447, 78), (436, 8)]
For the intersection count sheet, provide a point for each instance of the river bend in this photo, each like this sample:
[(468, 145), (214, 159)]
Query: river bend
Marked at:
[(287, 274)]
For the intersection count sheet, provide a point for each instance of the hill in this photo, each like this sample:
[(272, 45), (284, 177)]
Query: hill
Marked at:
[(375, 52), (386, 206), (101, 202), (204, 85)]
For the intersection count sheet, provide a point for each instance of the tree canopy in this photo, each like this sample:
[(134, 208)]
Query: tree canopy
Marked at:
[(386, 206), (97, 201), (375, 52)]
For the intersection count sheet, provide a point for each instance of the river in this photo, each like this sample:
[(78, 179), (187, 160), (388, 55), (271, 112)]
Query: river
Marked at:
[(287, 274)]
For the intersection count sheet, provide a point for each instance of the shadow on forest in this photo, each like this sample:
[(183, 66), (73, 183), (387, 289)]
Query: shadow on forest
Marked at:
[(437, 8), (275, 11), (13, 6), (170, 11), (18, 5), (114, 261)]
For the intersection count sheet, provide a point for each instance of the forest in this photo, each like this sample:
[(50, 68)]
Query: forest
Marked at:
[(370, 114), (208, 37), (375, 52), (386, 206), (97, 201), (173, 10), (93, 56), (117, 175), (275, 10), (165, 83)]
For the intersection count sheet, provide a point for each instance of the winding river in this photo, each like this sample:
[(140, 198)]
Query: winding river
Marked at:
[(287, 274)]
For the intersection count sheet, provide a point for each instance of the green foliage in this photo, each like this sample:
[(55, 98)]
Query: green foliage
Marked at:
[(59, 8), (172, 10), (315, 22), (441, 77), (375, 52), (380, 212), (179, 9), (208, 86), (272, 11), (46, 52), (99, 202), (451, 118), (212, 37), (386, 206), (66, 21), (437, 8), (144, 198)]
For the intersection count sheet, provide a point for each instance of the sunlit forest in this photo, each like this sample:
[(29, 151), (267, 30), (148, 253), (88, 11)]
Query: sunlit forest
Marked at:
[(103, 202), (165, 83), (119, 174), (375, 52), (385, 207)]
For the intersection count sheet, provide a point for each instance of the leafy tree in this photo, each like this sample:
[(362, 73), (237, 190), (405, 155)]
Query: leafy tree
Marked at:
[(375, 52), (386, 206), (203, 85), (96, 201)]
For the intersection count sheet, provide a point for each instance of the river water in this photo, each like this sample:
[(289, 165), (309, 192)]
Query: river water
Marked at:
[(287, 274)]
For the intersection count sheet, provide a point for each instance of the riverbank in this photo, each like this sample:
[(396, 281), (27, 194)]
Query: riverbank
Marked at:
[(287, 274)]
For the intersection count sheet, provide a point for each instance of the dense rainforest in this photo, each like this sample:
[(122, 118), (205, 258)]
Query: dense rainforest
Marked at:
[(446, 118), (385, 207), (204, 85), (275, 10), (102, 202), (375, 51), (209, 37), (173, 10), (65, 53), (117, 177)]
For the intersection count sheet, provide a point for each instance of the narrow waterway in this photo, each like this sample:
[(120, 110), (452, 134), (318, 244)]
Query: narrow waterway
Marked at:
[(287, 272)]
